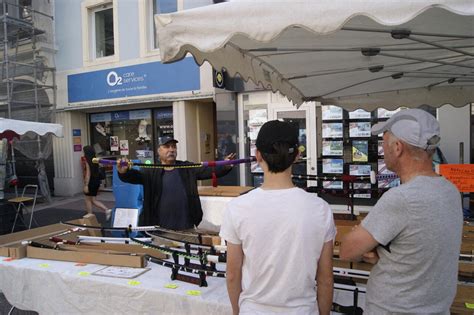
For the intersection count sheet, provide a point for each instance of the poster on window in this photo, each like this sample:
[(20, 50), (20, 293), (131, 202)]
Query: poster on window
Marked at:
[(360, 150), (386, 183), (384, 113), (332, 147), (380, 148), (359, 129), (332, 184), (333, 166), (114, 143), (332, 130), (257, 117), (365, 190), (144, 154), (164, 122), (359, 114), (359, 170), (123, 147), (331, 112)]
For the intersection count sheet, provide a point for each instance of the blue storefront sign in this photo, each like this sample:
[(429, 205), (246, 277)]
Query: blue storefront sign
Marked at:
[(142, 79)]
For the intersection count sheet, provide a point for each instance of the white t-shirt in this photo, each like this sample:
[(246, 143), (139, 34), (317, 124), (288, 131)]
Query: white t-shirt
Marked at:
[(282, 233)]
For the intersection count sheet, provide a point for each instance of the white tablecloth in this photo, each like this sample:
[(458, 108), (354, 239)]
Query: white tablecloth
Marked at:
[(212, 208), (58, 288)]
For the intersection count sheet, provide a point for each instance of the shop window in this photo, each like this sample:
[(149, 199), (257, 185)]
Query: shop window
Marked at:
[(123, 133), (132, 134), (347, 147), (163, 123)]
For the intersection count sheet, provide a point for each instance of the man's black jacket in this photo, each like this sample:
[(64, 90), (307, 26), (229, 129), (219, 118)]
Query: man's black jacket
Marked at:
[(151, 179)]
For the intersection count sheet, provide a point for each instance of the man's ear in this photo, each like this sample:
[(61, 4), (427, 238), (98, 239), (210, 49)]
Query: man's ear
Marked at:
[(258, 156), (400, 147)]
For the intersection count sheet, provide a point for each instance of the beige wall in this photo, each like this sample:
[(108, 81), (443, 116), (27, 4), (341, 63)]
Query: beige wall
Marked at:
[(67, 167), (194, 129)]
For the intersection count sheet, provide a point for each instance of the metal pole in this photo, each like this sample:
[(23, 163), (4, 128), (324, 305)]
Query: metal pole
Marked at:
[(5, 56)]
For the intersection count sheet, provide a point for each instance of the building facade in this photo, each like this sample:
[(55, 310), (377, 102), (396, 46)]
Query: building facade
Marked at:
[(114, 94)]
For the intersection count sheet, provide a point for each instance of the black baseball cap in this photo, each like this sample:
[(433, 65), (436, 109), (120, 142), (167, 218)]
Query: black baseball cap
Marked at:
[(165, 139), (276, 131)]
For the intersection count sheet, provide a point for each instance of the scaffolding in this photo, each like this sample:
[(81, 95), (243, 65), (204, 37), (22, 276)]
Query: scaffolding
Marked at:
[(28, 84)]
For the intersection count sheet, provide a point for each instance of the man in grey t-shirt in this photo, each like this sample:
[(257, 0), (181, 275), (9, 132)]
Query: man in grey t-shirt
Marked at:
[(413, 233)]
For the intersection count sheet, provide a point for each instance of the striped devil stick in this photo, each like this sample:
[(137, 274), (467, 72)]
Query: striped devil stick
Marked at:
[(348, 178), (186, 165)]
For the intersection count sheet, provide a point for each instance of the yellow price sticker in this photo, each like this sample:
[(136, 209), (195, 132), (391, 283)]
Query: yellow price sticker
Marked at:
[(193, 292), (469, 305), (44, 265), (133, 282), (84, 273), (171, 286)]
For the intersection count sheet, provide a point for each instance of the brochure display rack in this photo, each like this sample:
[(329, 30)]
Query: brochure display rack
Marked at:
[(347, 147)]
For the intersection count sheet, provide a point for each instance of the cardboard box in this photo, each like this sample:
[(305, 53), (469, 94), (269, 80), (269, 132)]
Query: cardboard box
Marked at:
[(464, 294), (11, 244), (128, 255), (126, 260), (124, 248), (223, 191), (343, 227)]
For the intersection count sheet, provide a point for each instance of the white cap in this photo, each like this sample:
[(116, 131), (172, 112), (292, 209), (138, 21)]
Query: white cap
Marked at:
[(414, 126)]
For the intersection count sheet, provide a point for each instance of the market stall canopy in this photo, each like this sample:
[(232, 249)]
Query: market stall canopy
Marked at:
[(351, 53), (22, 127)]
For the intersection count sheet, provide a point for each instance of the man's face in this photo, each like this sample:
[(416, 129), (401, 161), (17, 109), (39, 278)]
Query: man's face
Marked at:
[(168, 152)]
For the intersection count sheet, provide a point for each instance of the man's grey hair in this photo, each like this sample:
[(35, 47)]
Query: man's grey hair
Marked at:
[(418, 154)]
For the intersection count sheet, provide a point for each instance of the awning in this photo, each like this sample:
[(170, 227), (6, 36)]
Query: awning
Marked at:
[(22, 127), (351, 53)]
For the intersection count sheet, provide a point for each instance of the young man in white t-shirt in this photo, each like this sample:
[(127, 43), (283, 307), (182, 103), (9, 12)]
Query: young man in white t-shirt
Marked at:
[(279, 237)]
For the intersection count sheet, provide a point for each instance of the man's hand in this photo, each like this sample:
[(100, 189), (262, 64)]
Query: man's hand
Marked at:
[(371, 257), (122, 165), (230, 157), (86, 189), (227, 158)]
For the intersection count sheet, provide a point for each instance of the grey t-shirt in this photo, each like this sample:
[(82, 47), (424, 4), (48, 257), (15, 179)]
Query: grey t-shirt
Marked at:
[(420, 225)]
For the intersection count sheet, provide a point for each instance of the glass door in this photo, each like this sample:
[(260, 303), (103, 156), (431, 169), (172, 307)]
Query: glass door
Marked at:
[(297, 118)]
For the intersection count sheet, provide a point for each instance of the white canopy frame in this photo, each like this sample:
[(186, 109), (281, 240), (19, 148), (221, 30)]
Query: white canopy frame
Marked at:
[(350, 53), (31, 130), (22, 127)]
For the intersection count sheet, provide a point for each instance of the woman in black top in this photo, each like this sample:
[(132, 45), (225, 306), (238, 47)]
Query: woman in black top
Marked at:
[(92, 182)]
